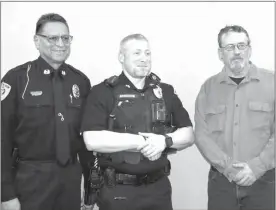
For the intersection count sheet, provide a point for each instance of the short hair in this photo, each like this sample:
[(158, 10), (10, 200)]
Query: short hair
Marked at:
[(232, 28), (132, 37), (47, 18)]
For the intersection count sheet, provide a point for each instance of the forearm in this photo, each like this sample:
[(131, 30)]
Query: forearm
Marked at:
[(109, 141), (265, 161), (182, 138)]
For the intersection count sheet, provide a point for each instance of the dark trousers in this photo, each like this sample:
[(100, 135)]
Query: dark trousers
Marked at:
[(48, 186), (153, 196), (225, 195)]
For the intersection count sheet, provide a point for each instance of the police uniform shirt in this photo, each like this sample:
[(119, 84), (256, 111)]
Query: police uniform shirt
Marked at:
[(28, 113), (100, 103)]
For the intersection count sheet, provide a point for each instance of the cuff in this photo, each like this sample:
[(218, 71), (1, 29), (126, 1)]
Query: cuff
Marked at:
[(257, 166)]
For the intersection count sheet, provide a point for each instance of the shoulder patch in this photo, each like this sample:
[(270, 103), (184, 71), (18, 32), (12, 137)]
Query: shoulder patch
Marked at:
[(112, 81), (5, 90), (154, 77)]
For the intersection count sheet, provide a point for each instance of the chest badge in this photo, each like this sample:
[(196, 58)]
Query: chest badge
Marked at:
[(158, 92), (76, 91)]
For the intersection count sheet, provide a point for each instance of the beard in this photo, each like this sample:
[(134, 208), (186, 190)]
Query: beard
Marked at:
[(237, 64)]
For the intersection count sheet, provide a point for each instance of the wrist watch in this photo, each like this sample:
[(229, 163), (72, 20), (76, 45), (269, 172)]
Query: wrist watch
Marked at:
[(168, 141)]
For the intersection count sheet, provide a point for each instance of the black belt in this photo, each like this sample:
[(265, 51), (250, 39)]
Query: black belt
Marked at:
[(129, 179), (72, 160)]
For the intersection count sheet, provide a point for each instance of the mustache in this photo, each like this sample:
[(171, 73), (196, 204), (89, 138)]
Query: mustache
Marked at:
[(236, 58)]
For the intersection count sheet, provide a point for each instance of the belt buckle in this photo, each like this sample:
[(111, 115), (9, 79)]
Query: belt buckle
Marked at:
[(144, 179)]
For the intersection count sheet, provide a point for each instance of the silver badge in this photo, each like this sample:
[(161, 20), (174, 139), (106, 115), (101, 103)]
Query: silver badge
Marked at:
[(46, 71), (76, 91), (63, 73), (36, 93), (158, 92)]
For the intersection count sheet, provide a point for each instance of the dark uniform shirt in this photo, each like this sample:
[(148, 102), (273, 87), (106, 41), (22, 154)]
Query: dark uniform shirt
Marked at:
[(28, 113), (100, 103)]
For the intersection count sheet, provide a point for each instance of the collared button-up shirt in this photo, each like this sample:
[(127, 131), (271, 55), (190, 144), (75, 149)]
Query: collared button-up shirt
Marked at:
[(235, 123), (28, 114)]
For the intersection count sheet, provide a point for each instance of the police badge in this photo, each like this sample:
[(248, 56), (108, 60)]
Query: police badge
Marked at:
[(158, 92), (76, 91)]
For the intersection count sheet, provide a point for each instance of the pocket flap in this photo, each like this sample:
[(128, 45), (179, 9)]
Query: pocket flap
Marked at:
[(215, 110), (77, 103), (260, 106)]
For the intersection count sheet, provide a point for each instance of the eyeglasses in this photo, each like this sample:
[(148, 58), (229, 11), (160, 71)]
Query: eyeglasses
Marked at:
[(240, 46), (54, 39)]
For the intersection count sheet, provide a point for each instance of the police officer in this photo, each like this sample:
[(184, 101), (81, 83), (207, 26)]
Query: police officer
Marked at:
[(41, 103), (130, 121)]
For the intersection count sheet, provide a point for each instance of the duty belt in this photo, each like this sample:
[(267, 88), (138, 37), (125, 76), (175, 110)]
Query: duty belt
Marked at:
[(128, 179), (72, 160)]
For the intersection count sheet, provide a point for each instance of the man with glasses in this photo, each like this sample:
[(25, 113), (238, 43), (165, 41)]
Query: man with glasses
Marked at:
[(234, 128), (41, 103)]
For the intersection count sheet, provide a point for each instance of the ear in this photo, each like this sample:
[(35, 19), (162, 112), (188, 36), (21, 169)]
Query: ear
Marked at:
[(249, 52), (121, 57), (220, 54), (36, 41)]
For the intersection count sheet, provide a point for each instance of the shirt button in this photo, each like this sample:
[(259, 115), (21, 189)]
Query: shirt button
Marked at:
[(236, 123), (234, 143), (237, 105)]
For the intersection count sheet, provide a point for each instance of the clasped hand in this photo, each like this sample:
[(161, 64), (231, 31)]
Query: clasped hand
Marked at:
[(153, 147), (245, 177)]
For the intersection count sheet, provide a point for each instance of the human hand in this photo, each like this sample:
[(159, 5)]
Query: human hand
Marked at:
[(13, 204), (155, 145), (245, 177)]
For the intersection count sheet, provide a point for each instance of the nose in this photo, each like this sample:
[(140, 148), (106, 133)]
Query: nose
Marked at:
[(236, 50), (60, 42)]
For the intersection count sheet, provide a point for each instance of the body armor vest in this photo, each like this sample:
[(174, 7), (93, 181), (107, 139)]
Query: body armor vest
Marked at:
[(138, 111)]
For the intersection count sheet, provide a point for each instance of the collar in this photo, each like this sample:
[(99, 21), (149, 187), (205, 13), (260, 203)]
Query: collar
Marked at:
[(253, 74), (123, 80), (47, 70)]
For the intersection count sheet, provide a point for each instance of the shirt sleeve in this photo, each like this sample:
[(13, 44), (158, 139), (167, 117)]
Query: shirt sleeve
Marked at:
[(8, 126), (266, 160), (179, 113), (96, 109), (206, 145)]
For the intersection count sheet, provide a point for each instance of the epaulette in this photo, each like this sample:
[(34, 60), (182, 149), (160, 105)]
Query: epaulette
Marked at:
[(154, 77), (112, 81), (77, 71), (22, 66)]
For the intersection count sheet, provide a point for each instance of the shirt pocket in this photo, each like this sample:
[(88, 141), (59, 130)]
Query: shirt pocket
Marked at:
[(260, 114), (74, 111), (38, 110), (215, 118)]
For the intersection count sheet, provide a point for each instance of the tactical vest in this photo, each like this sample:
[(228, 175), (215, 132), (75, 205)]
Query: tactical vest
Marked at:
[(137, 111)]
